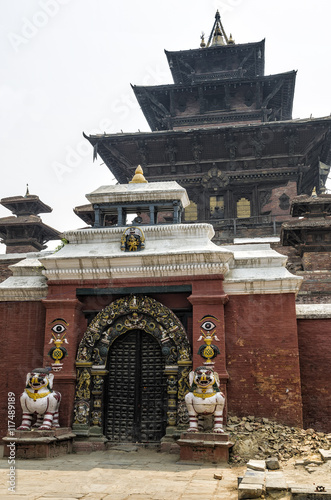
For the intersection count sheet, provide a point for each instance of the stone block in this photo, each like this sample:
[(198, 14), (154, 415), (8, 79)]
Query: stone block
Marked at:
[(275, 481), (253, 477), (272, 463), (252, 480), (258, 465), (204, 447), (41, 444), (309, 493), (250, 490), (325, 454)]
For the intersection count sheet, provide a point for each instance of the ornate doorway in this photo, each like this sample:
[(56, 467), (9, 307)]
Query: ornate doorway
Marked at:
[(136, 408), (132, 372)]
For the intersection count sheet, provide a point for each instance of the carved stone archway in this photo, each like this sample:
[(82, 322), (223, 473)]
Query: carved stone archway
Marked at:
[(125, 314)]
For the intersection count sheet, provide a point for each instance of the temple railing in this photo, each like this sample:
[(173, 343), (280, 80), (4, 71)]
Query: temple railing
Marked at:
[(271, 223)]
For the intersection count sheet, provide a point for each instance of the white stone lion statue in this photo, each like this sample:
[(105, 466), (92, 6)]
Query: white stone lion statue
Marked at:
[(39, 398), (204, 399)]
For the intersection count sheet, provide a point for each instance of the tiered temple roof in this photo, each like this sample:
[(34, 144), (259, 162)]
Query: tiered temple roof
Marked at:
[(225, 132)]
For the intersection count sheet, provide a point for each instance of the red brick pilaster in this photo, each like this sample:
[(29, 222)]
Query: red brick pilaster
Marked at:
[(70, 310), (208, 299)]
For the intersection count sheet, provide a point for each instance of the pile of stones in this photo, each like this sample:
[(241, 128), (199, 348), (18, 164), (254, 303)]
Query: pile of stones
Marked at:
[(260, 438)]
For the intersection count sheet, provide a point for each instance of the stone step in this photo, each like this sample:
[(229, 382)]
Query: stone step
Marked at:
[(250, 490), (309, 493), (259, 465)]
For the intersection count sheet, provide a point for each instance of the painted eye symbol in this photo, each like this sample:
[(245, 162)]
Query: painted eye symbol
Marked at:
[(58, 328), (208, 325)]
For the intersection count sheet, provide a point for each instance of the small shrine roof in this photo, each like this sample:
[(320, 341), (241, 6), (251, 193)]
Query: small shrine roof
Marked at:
[(305, 223), (25, 205), (28, 220), (86, 213), (311, 206), (138, 193)]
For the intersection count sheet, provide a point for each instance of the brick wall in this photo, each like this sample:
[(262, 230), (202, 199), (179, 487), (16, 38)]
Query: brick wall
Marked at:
[(22, 326), (262, 357), (4, 263), (4, 271), (23, 248), (316, 261), (315, 362), (273, 205)]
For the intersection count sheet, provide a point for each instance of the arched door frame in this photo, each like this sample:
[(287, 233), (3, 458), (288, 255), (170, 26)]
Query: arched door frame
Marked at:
[(130, 313)]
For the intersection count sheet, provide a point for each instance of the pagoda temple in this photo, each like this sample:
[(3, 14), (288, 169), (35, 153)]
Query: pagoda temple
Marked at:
[(24, 231), (138, 297), (224, 131)]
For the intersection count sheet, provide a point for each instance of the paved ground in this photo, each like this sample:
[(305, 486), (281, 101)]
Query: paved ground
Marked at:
[(144, 474), (119, 475)]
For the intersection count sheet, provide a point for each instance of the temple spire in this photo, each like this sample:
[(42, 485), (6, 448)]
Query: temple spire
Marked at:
[(218, 36)]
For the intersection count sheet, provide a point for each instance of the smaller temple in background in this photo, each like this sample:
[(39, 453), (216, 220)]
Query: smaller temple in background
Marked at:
[(24, 231), (309, 234)]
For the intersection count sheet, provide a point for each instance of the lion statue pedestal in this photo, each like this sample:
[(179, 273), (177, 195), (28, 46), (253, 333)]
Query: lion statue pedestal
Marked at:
[(205, 400), (44, 439)]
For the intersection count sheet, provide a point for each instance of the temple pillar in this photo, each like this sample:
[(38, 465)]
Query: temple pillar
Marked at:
[(208, 300), (64, 324)]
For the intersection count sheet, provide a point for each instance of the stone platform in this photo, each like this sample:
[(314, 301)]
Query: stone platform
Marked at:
[(39, 444), (204, 447)]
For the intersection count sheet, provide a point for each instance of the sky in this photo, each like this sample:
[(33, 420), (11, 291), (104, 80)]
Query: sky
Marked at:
[(67, 66)]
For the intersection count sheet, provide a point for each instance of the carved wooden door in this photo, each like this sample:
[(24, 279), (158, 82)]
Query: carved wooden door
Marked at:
[(136, 401)]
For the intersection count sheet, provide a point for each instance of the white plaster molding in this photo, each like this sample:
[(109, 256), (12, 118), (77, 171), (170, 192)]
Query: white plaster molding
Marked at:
[(23, 289), (137, 271), (27, 282), (256, 255), (257, 269), (140, 192), (313, 311), (152, 233), (171, 250)]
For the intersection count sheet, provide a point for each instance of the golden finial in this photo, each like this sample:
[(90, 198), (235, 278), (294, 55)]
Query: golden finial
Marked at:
[(314, 194), (138, 176), (27, 191), (202, 44), (231, 40)]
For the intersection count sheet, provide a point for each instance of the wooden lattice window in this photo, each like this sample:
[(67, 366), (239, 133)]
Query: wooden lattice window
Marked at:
[(216, 205), (243, 208), (191, 212)]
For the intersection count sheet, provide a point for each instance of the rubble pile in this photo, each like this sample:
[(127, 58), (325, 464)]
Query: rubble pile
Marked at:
[(260, 438)]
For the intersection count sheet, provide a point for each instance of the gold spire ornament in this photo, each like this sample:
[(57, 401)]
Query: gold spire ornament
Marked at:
[(218, 36), (202, 44), (231, 40), (138, 176)]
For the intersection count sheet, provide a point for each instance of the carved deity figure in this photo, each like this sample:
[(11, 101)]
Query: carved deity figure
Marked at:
[(204, 399), (40, 399)]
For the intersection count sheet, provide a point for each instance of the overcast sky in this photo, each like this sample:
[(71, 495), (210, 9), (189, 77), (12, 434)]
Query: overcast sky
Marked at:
[(67, 66)]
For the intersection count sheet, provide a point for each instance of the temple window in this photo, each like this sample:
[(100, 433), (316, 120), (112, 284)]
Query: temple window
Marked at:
[(243, 208), (191, 212), (216, 206)]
